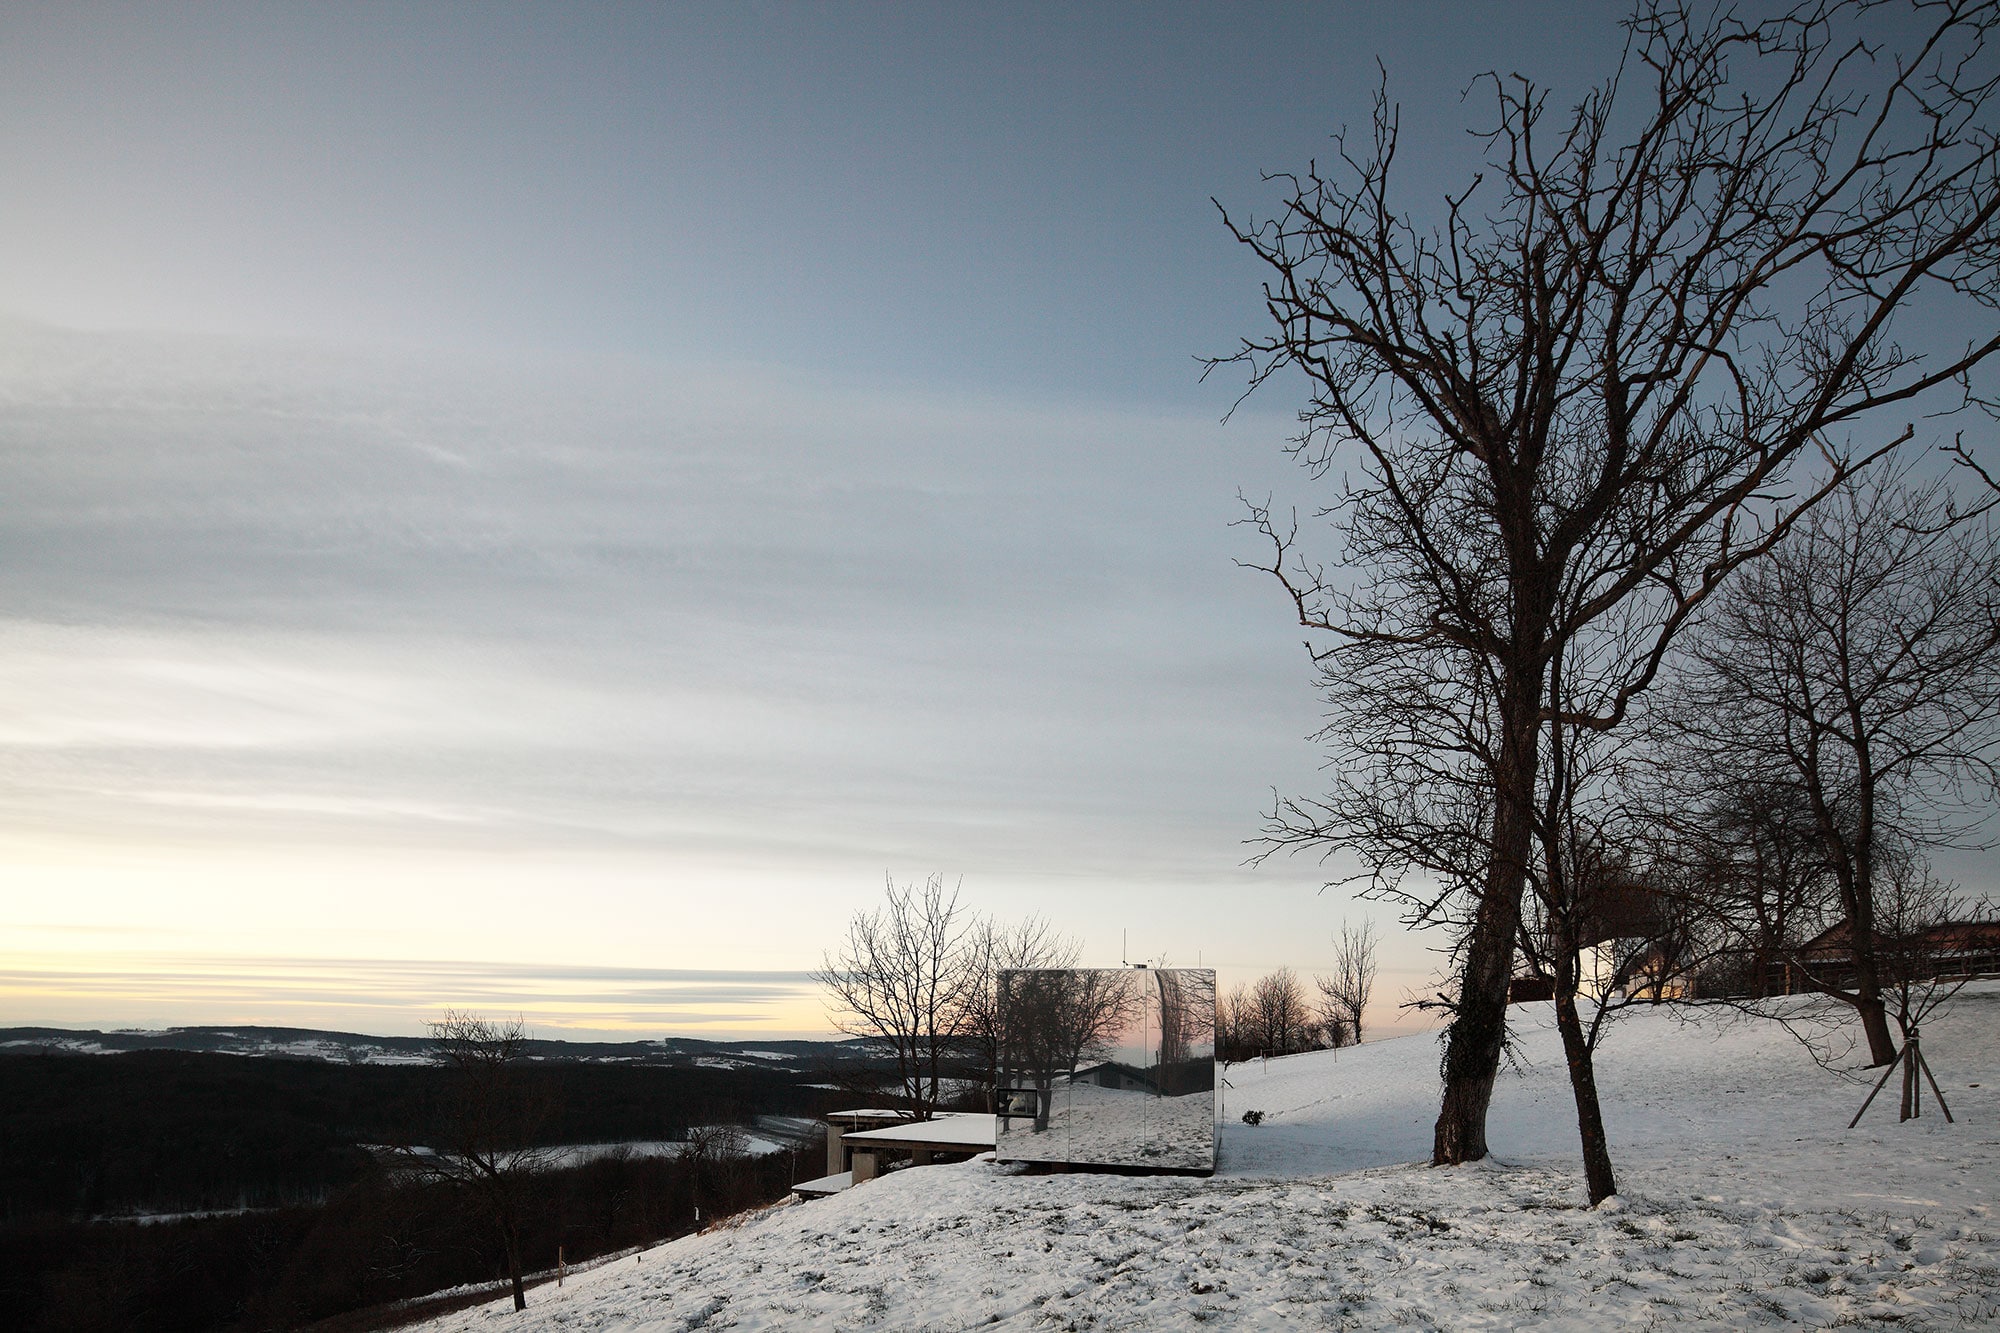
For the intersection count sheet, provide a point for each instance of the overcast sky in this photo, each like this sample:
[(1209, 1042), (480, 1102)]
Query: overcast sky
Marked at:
[(540, 507)]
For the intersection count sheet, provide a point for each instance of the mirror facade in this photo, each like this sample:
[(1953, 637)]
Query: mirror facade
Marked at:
[(1107, 1067)]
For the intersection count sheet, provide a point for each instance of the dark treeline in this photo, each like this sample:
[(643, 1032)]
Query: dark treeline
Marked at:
[(331, 1226), (375, 1241), (174, 1131)]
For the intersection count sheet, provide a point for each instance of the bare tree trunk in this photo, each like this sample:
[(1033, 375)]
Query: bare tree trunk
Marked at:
[(1597, 1176), (1479, 1027), (1852, 855), (513, 1238), (1874, 1014), (1861, 932), (1478, 1032)]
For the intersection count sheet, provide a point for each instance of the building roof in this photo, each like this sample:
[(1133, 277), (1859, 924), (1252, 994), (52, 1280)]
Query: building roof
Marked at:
[(1124, 1070), (1946, 936), (947, 1133), (825, 1185)]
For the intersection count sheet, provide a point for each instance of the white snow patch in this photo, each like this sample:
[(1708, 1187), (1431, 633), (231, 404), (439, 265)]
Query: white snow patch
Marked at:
[(576, 1154)]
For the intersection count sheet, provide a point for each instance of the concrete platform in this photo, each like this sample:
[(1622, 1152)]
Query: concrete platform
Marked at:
[(948, 1133), (825, 1185)]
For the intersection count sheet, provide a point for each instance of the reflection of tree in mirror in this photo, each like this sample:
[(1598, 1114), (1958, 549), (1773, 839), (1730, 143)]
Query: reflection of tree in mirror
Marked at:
[(1055, 1019), (1187, 1031), (1109, 1068)]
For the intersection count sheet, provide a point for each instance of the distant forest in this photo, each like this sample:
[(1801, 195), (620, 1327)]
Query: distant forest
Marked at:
[(313, 1225)]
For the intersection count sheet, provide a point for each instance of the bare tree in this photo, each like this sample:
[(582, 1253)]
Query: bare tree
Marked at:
[(1575, 406), (1235, 1025), (714, 1151), (1858, 667), (491, 1113), (1330, 1014), (1284, 1018), (1584, 894), (991, 948), (1744, 850), (1346, 989), (1920, 916), (903, 975)]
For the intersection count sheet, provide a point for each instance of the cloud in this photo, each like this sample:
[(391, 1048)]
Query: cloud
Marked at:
[(262, 582), (396, 995)]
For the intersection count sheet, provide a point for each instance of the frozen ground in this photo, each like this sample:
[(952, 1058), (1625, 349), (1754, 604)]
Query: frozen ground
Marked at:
[(1746, 1203)]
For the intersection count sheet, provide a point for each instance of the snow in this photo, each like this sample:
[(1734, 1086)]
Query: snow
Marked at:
[(565, 1155), (958, 1130), (195, 1215), (1109, 1126), (833, 1184), (576, 1154), (1747, 1203)]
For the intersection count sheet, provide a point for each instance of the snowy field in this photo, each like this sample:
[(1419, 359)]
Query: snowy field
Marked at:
[(770, 1134), (580, 1154), (1746, 1203)]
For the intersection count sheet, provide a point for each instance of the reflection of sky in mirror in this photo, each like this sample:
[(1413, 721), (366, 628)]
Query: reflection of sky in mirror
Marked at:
[(1138, 1044)]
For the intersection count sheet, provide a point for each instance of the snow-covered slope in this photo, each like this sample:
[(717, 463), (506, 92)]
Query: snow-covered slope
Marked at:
[(1747, 1203)]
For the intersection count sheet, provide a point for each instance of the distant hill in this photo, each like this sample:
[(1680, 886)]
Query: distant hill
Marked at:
[(794, 1057)]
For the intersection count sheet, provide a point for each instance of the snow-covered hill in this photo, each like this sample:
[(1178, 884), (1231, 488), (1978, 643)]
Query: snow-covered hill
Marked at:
[(1747, 1203)]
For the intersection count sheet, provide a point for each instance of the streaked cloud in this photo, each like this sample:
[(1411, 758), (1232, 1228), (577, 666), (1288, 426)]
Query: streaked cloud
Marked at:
[(395, 996)]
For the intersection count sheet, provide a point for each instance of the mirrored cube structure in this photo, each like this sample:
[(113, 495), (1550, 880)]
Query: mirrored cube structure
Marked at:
[(1108, 1068)]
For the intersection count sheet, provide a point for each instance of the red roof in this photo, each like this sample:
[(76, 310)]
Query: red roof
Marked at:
[(1945, 937)]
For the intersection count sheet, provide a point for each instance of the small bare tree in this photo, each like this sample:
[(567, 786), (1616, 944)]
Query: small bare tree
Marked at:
[(491, 1113), (1330, 1014), (1859, 666), (1187, 1023), (712, 1151), (904, 975), (1918, 919), (1344, 992)]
